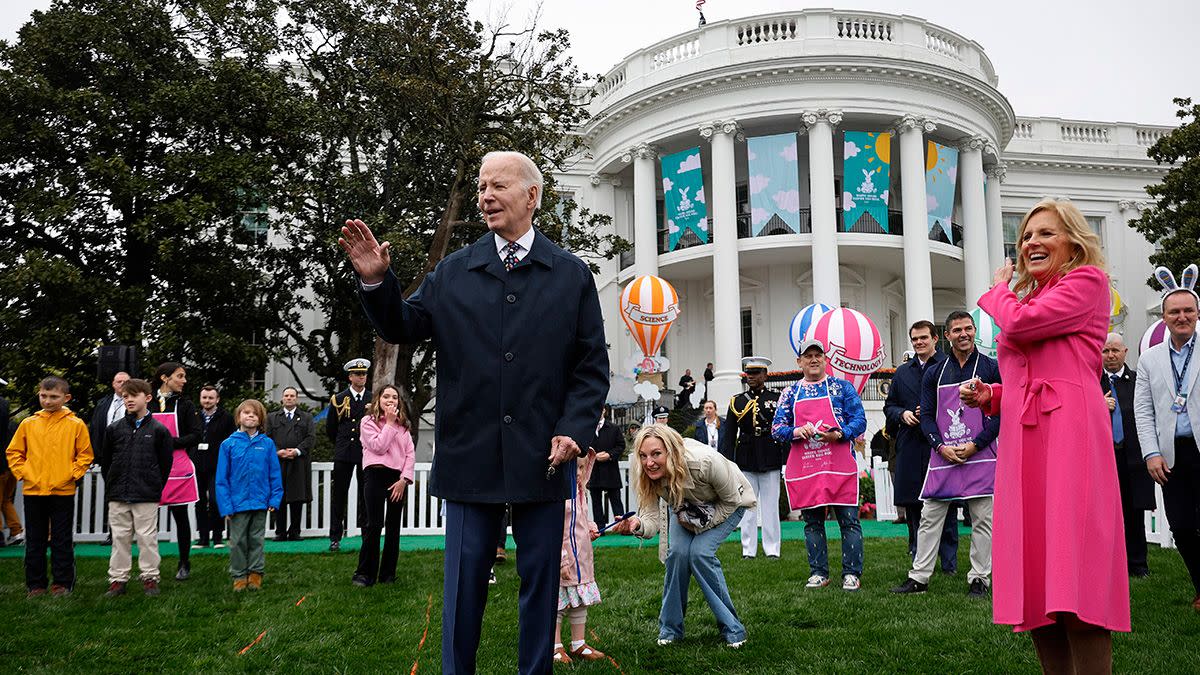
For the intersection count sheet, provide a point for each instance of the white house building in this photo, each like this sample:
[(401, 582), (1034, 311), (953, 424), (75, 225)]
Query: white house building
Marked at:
[(826, 76)]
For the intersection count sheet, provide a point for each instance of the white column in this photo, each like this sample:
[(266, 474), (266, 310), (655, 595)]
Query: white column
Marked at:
[(645, 227), (995, 216), (727, 303), (976, 272), (918, 279), (827, 286)]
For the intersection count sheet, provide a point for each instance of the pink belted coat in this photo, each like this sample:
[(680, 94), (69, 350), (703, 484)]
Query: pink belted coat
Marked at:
[(1057, 540), (578, 565)]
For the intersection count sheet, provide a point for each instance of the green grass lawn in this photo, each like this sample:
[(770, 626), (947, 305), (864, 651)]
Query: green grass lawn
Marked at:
[(201, 625)]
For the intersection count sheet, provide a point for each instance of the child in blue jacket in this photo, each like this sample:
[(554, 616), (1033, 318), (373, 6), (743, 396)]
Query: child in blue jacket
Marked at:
[(249, 485)]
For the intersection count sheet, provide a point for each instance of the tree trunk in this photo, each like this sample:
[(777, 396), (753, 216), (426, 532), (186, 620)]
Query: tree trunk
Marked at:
[(385, 362)]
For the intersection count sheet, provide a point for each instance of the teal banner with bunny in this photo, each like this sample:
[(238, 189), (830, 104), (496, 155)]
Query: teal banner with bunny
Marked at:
[(683, 192), (867, 175)]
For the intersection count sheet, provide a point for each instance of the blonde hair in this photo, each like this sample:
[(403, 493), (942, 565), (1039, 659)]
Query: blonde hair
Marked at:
[(255, 407), (1075, 227), (376, 411), (670, 486)]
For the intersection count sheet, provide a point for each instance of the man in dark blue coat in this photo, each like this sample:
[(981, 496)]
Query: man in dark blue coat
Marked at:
[(902, 410), (522, 372)]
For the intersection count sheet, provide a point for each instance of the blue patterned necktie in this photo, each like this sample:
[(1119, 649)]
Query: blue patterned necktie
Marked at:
[(1118, 425), (510, 255)]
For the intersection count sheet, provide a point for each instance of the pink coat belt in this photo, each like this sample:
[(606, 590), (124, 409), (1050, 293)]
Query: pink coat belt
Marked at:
[(1040, 399)]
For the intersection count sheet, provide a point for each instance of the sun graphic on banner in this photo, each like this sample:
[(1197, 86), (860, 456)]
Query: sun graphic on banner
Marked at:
[(934, 159), (882, 147)]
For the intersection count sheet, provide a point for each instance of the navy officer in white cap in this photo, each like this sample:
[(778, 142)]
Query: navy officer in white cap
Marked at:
[(346, 409), (749, 444)]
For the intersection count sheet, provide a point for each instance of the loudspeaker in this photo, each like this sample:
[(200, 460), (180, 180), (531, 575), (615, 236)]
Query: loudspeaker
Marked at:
[(115, 358)]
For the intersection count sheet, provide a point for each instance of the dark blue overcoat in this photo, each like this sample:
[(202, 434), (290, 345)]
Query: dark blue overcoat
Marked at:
[(521, 358), (912, 450)]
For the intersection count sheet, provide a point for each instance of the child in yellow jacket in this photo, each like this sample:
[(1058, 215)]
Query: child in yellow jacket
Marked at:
[(49, 452)]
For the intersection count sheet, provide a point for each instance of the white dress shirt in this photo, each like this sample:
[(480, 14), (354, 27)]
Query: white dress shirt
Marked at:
[(116, 409), (525, 242)]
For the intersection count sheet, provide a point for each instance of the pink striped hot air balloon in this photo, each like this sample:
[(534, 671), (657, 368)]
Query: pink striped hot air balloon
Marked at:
[(1156, 333), (853, 348), (649, 305)]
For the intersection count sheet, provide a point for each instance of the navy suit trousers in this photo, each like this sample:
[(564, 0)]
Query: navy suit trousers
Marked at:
[(471, 539)]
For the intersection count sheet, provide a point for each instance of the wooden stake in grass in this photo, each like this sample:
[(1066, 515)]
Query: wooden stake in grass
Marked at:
[(256, 641)]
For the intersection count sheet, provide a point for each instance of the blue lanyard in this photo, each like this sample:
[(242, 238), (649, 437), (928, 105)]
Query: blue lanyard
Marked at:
[(1191, 347)]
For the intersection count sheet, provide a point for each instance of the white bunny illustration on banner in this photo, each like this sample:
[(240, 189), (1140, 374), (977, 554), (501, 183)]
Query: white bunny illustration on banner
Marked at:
[(868, 185)]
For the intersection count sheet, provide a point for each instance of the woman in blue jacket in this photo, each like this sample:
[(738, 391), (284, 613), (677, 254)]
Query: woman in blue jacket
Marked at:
[(249, 485)]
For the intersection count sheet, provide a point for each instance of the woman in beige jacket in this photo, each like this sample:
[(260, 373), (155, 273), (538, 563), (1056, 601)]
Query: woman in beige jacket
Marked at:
[(706, 495)]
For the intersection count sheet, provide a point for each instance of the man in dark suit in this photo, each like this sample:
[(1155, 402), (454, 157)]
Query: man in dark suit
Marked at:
[(109, 409), (902, 410), (216, 425), (295, 434), (1137, 488), (522, 372), (606, 480), (346, 410)]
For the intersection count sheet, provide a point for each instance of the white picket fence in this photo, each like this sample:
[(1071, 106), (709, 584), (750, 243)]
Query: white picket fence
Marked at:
[(423, 511)]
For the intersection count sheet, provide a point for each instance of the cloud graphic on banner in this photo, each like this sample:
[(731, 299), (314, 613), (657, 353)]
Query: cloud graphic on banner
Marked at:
[(692, 163), (852, 149), (789, 152), (883, 196), (700, 195), (787, 200), (953, 173), (848, 202), (759, 216), (758, 182), (672, 228), (668, 184), (750, 155), (931, 203)]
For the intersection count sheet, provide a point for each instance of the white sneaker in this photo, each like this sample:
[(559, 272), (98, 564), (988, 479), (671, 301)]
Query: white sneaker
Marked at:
[(492, 576), (663, 642), (850, 582), (735, 645), (817, 581)]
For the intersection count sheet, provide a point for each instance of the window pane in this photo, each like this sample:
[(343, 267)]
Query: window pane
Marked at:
[(747, 333), (1011, 222)]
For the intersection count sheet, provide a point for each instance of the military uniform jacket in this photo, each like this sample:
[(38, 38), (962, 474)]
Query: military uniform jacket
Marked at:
[(300, 432), (748, 440), (342, 425), (521, 358)]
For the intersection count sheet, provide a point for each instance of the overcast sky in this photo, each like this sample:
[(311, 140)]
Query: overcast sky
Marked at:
[(1106, 60)]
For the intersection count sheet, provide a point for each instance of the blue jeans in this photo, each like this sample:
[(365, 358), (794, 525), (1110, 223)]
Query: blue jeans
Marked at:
[(696, 555), (818, 550)]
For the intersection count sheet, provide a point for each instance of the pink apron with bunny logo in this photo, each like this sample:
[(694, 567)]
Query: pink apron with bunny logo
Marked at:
[(181, 487), (819, 473)]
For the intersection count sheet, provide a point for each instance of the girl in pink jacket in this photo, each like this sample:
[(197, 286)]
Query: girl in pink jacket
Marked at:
[(388, 459), (577, 586)]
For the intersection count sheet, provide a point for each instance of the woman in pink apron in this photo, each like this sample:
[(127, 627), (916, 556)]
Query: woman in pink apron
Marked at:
[(178, 414), (1058, 540), (820, 416)]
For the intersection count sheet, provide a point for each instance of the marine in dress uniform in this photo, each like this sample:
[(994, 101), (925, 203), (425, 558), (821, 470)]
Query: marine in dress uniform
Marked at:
[(347, 408), (749, 444)]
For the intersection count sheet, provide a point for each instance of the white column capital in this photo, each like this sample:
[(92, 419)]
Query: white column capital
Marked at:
[(730, 127), (911, 122), (1133, 205), (997, 171), (640, 151), (978, 143), (595, 179), (811, 117)]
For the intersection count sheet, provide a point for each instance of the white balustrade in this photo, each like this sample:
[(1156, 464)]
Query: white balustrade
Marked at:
[(1148, 137), (864, 28), (611, 82), (1084, 133), (675, 53), (772, 29), (942, 43), (1023, 130), (423, 512)]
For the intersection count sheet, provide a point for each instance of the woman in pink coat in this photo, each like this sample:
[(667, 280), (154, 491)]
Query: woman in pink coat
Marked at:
[(1058, 542)]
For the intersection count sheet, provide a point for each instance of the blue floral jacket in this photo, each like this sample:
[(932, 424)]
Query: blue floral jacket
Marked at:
[(847, 407)]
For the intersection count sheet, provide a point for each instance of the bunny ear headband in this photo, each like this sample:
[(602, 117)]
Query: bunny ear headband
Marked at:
[(1187, 281)]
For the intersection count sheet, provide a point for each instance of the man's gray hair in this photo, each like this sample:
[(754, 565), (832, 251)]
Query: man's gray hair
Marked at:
[(530, 173), (1115, 337)]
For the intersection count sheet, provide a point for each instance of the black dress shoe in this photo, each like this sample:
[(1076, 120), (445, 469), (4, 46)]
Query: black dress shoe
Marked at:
[(335, 546), (911, 587), (978, 589), (360, 581)]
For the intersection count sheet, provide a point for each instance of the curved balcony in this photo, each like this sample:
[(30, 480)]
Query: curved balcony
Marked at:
[(804, 33)]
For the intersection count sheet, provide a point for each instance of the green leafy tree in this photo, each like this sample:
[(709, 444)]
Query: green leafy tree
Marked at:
[(1173, 222), (411, 95), (135, 137)]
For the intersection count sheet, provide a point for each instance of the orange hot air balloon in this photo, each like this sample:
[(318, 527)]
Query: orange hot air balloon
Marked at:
[(649, 305)]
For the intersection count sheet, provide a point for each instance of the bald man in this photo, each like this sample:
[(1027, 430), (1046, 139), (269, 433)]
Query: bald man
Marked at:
[(1137, 488)]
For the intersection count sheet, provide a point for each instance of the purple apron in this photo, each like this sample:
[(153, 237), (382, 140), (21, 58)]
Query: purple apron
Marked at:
[(958, 424)]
